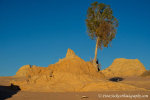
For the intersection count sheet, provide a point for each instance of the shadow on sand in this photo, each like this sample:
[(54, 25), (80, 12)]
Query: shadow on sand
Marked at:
[(116, 79), (8, 91)]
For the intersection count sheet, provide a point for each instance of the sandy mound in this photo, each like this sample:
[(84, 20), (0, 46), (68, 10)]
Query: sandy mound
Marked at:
[(146, 74), (70, 74), (124, 67), (23, 71)]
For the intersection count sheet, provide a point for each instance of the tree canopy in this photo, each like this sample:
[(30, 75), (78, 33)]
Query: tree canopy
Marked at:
[(101, 24)]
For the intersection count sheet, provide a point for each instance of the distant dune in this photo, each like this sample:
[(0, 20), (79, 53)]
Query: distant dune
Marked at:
[(125, 68)]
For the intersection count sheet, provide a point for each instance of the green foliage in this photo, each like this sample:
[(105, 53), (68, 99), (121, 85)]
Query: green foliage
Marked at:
[(101, 23)]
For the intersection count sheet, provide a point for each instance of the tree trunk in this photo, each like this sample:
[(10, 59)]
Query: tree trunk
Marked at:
[(95, 58)]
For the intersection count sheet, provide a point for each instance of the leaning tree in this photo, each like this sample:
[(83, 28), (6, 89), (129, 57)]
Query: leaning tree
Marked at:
[(101, 26)]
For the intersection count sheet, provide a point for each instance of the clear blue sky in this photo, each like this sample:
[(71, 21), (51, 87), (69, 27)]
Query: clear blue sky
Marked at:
[(39, 32)]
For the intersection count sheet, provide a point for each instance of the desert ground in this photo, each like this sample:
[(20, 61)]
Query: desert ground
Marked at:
[(7, 93)]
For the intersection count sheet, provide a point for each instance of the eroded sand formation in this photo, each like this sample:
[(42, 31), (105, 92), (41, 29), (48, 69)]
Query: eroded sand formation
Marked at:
[(73, 74), (124, 68)]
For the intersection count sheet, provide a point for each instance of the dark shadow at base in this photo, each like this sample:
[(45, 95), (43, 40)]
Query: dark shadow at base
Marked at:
[(8, 91), (116, 79)]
